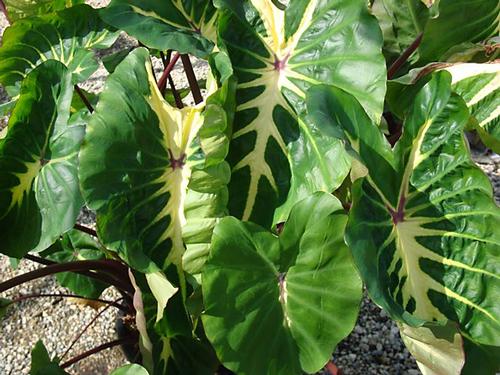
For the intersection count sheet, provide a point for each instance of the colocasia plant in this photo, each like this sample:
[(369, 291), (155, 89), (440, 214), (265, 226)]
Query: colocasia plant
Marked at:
[(327, 153)]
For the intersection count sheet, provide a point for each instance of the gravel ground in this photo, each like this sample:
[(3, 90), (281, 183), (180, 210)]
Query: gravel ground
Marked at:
[(374, 346)]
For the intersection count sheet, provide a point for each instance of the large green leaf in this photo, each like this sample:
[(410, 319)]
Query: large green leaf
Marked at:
[(423, 227), (67, 36), (459, 21), (39, 193), (18, 9), (277, 55), (137, 164), (73, 246), (187, 26), (276, 305)]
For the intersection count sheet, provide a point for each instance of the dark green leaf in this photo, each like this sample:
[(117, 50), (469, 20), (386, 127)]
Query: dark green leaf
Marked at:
[(68, 36), (423, 225), (187, 26), (459, 21), (278, 305), (39, 190), (277, 156), (4, 305)]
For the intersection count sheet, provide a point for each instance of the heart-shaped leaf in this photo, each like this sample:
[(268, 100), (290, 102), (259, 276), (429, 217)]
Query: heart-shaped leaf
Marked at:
[(137, 166), (279, 305), (187, 26), (39, 191), (68, 36), (277, 156), (423, 226)]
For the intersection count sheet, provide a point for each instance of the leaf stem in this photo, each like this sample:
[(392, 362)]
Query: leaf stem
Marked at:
[(97, 350), (110, 266), (162, 83), (396, 65), (193, 82), (175, 93), (332, 369), (63, 295), (3, 9), (105, 278), (87, 326), (84, 98), (85, 229)]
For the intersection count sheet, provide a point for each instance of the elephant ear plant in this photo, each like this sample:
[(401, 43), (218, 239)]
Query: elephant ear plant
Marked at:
[(326, 151)]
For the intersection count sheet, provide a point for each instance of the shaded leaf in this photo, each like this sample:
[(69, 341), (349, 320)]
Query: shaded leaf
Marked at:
[(41, 364), (74, 246), (39, 191)]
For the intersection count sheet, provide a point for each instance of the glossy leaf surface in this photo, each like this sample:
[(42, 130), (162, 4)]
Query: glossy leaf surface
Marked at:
[(423, 227), (277, 156), (279, 305), (401, 23), (68, 36), (453, 26), (137, 163), (39, 193), (187, 26)]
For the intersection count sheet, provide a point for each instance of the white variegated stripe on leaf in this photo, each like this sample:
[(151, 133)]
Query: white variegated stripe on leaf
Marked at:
[(68, 36), (277, 156), (479, 85), (39, 190), (426, 248), (151, 150)]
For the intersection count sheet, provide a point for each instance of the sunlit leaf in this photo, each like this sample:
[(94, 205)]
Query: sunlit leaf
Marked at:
[(423, 227), (279, 305), (277, 156)]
